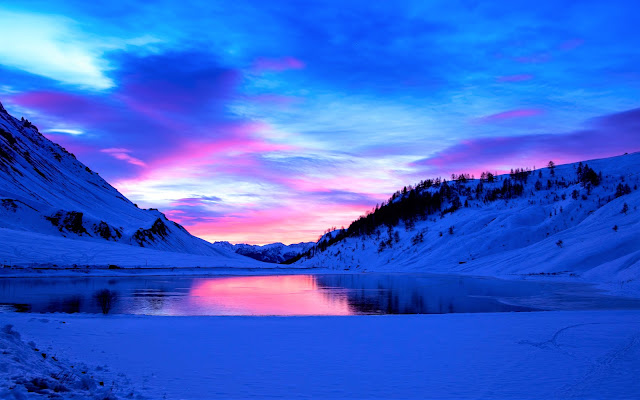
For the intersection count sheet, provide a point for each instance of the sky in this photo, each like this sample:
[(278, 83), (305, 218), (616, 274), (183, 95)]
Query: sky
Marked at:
[(259, 122)]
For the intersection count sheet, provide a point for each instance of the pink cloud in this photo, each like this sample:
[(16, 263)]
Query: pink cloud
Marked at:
[(294, 222), (277, 64), (123, 154), (511, 114), (192, 157), (515, 78)]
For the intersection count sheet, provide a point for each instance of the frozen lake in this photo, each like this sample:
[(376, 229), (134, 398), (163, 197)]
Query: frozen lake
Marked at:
[(344, 294)]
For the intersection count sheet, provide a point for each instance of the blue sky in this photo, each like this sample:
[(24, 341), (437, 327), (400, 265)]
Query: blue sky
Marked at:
[(270, 121)]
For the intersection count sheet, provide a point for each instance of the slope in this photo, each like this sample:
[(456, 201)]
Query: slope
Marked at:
[(577, 220)]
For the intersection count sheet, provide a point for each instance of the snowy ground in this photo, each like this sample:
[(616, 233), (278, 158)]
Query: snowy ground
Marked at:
[(34, 249), (540, 355)]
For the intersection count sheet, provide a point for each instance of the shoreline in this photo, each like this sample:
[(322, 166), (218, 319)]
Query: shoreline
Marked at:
[(616, 289)]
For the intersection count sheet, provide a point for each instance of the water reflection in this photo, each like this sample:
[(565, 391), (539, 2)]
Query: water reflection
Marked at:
[(264, 295), (411, 294), (105, 299), (296, 295), (68, 305), (154, 299)]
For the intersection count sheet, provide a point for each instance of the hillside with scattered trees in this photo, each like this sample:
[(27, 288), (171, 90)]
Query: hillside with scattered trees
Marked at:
[(464, 223)]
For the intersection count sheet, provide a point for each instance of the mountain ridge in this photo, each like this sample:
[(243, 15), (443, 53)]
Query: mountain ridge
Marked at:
[(271, 253)]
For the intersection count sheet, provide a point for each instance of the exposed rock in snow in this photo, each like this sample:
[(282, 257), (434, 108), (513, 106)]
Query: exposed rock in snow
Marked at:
[(27, 371)]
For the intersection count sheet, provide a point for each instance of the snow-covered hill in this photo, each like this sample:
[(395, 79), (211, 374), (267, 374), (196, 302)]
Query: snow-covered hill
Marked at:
[(45, 190), (565, 221), (271, 253)]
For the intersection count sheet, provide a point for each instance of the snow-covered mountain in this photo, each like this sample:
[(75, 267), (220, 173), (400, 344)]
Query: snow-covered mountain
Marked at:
[(271, 253), (44, 189), (577, 220)]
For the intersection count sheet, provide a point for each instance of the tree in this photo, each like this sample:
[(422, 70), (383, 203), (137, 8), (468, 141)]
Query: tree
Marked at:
[(538, 185), (621, 189), (625, 208), (586, 175), (552, 168), (574, 194)]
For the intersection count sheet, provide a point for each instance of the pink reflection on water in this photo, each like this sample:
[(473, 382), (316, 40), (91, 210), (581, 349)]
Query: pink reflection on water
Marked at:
[(266, 295)]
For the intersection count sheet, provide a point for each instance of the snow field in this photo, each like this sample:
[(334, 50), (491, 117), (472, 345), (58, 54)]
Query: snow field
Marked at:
[(538, 355)]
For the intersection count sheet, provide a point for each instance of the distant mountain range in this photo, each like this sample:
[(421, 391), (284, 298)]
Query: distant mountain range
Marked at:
[(271, 253)]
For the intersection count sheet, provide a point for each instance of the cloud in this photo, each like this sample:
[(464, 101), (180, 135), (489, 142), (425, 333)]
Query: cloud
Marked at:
[(511, 114), (123, 154), (53, 47), (65, 130), (213, 199), (605, 136), (176, 82), (177, 98), (291, 223), (277, 64)]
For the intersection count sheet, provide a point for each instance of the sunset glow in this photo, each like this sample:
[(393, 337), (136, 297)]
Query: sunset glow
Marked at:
[(264, 295), (260, 122)]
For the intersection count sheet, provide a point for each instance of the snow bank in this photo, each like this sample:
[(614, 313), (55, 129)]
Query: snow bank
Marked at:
[(27, 249), (538, 355), (27, 372)]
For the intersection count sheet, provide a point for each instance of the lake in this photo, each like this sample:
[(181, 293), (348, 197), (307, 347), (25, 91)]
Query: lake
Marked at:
[(287, 295)]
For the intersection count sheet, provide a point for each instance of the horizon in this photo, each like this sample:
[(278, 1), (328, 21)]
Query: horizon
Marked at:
[(274, 125)]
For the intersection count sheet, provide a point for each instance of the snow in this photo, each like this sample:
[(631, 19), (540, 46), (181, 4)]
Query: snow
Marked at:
[(518, 238), (32, 249), (273, 252), (586, 354), (28, 372)]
